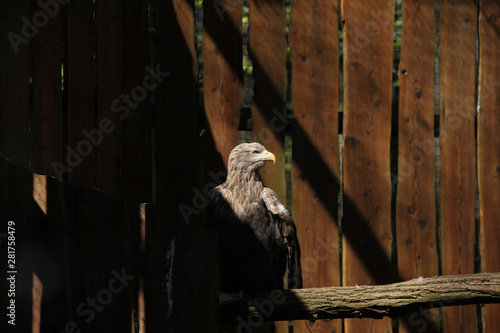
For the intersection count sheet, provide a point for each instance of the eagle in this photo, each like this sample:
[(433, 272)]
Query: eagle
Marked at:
[(256, 234)]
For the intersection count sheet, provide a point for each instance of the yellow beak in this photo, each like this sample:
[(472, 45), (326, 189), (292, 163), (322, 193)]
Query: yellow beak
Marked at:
[(267, 156)]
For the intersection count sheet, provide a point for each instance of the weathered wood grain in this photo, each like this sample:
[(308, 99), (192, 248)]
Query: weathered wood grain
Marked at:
[(488, 149), (222, 78), (367, 234), (391, 300), (457, 190), (315, 71), (267, 47), (416, 230)]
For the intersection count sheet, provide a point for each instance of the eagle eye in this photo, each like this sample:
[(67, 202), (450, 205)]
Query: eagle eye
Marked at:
[(255, 152)]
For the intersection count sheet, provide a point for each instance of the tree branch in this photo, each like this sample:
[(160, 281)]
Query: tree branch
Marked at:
[(392, 300)]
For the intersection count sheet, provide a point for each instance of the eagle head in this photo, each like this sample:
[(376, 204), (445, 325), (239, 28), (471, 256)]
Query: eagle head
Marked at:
[(249, 157)]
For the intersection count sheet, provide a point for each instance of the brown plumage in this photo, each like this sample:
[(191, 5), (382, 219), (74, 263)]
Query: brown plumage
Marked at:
[(257, 235)]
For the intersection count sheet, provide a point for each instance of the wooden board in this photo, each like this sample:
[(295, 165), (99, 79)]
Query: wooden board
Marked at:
[(267, 47), (106, 257), (315, 168), (457, 200), (367, 235), (81, 78), (15, 138), (57, 270), (182, 239), (177, 125), (222, 88), (157, 295), (488, 146), (82, 258), (109, 89), (47, 120), (222, 78), (72, 244), (137, 153), (138, 219), (71, 205), (416, 230)]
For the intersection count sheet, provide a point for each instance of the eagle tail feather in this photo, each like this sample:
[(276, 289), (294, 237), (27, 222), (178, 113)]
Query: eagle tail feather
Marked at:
[(294, 268)]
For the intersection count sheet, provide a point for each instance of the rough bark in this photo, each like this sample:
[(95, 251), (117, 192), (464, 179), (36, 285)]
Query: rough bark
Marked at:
[(391, 300)]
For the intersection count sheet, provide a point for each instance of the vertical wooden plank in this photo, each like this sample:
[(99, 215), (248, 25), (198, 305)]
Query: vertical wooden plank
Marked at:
[(457, 76), (159, 249), (367, 235), (83, 137), (47, 122), (53, 254), (489, 149), (109, 96), (139, 246), (315, 71), (222, 86), (157, 271), (177, 122), (15, 140), (135, 239), (106, 257), (72, 207), (416, 206), (137, 153), (186, 247), (267, 46), (222, 77)]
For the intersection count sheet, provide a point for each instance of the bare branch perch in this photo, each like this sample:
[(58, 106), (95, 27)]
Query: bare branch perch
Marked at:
[(392, 300)]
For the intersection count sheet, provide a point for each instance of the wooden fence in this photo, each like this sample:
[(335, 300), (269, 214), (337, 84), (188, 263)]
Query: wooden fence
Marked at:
[(108, 97)]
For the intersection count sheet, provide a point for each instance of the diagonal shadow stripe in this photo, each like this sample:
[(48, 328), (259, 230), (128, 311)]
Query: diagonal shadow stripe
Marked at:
[(317, 160), (358, 237)]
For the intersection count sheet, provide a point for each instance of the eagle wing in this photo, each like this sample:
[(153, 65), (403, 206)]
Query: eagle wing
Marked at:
[(254, 250), (282, 218)]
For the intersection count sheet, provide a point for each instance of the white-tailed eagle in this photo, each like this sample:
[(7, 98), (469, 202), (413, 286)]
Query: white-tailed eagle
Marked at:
[(257, 236)]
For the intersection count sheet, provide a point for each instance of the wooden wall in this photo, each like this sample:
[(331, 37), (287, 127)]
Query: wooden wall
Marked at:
[(107, 106)]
